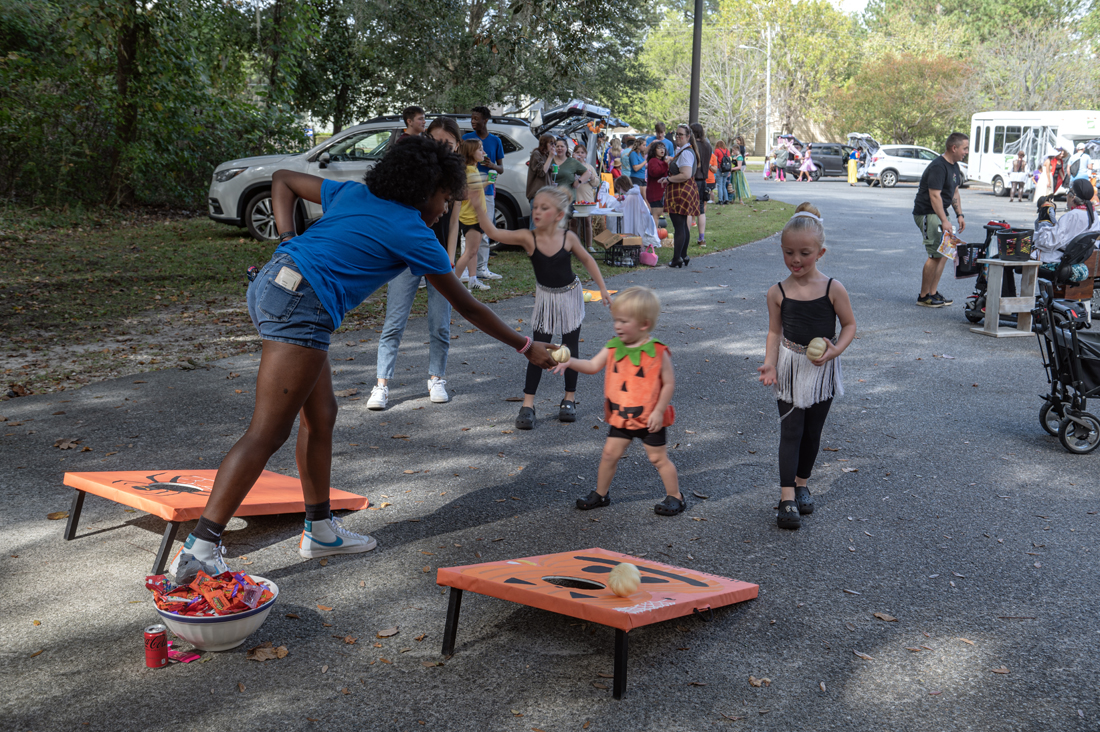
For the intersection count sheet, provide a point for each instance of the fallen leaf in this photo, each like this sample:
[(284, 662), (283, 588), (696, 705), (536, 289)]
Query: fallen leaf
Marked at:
[(292, 615), (822, 685), (753, 681), (697, 494), (1001, 670), (388, 632), (385, 503), (853, 592), (849, 470), (887, 618), (963, 576), (831, 449), (324, 561), (324, 608), (345, 392), (324, 669), (513, 399), (597, 684), (864, 656), (913, 649), (969, 642), (722, 713), (57, 515), (37, 653), (240, 687), (345, 690), (66, 443), (265, 652), (602, 675), (934, 693), (39, 622), (399, 437), (411, 472), (696, 683), (349, 640), (385, 660), (430, 664), (420, 637)]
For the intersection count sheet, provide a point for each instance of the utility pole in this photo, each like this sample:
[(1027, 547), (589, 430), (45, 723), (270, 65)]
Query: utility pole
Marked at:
[(696, 58)]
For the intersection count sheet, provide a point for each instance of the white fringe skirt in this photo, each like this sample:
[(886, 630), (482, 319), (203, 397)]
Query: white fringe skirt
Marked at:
[(801, 383), (558, 309)]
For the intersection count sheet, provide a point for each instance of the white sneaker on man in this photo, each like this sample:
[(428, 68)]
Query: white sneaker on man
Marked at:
[(327, 537), (437, 390), (485, 274), (196, 553), (476, 284), (379, 395)]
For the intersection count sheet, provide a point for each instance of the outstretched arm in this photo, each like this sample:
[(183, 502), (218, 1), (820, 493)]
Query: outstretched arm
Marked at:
[(592, 366), (286, 185), (486, 320), (519, 238)]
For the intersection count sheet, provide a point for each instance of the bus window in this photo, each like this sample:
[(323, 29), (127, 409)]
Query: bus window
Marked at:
[(999, 139), (987, 138), (977, 138), (1012, 135)]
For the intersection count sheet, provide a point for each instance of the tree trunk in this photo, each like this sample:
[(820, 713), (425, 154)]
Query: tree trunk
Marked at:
[(119, 189), (340, 109)]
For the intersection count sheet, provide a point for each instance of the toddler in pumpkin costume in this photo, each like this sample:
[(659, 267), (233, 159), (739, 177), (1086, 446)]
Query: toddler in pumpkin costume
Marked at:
[(638, 386)]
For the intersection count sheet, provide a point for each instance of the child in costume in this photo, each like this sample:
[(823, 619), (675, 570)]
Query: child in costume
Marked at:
[(804, 306), (638, 385), (559, 299)]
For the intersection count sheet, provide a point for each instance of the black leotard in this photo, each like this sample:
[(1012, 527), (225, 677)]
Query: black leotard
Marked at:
[(804, 320), (555, 270)]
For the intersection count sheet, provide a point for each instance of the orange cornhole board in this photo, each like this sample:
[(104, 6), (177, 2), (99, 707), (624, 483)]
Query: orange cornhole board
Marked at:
[(177, 495), (666, 592)]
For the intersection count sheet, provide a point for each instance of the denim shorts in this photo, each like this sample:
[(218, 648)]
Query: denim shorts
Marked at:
[(296, 317)]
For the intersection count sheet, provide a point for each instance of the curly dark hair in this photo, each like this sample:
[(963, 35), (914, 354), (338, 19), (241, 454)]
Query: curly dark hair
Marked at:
[(413, 171)]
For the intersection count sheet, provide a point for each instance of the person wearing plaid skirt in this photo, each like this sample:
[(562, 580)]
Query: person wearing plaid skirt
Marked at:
[(681, 193)]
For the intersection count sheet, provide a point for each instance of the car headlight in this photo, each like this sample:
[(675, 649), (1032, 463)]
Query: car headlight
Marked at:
[(223, 175)]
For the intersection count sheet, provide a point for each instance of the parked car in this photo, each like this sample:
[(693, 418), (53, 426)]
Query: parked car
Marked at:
[(240, 193), (831, 158), (893, 164)]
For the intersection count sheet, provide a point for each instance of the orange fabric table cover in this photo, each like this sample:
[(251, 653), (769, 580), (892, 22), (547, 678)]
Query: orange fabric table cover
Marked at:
[(666, 591), (177, 495)]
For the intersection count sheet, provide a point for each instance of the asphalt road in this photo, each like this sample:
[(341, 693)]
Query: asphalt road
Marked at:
[(940, 501)]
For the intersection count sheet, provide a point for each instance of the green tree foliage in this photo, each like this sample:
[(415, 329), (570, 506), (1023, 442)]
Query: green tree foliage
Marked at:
[(904, 99)]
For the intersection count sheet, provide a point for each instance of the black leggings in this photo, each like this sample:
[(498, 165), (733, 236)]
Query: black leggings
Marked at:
[(534, 373), (680, 237), (799, 440)]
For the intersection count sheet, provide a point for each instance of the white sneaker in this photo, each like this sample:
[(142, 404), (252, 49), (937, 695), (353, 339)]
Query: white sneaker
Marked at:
[(464, 278), (196, 554), (437, 390), (328, 537), (476, 284), (379, 395), (423, 284), (487, 275)]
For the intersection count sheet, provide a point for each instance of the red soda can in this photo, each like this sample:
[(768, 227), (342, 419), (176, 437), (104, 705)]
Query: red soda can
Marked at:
[(156, 646)]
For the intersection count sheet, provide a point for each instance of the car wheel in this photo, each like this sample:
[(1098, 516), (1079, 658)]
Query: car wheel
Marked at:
[(888, 178), (999, 189), (816, 175), (259, 217)]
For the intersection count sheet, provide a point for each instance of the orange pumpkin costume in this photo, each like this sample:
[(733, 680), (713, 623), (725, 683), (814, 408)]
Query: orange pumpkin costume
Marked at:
[(632, 384)]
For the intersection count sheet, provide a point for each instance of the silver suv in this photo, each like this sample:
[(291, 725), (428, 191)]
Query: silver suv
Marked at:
[(240, 192)]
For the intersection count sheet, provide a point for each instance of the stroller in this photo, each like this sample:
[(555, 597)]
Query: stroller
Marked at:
[(967, 266), (1071, 359)]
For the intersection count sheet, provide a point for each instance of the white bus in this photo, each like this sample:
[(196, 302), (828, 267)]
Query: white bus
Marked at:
[(996, 137)]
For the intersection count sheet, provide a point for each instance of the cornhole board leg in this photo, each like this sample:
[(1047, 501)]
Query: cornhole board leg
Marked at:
[(619, 682), (165, 550), (74, 516), (454, 604)]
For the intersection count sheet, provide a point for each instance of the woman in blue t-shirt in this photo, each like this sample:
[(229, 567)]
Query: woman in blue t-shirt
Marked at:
[(637, 160), (369, 233)]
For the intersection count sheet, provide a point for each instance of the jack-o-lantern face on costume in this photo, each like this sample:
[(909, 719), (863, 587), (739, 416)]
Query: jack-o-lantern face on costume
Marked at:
[(551, 582), (632, 385)]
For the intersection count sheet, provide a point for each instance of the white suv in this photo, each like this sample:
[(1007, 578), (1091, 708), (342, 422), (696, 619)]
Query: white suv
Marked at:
[(892, 164), (240, 192)]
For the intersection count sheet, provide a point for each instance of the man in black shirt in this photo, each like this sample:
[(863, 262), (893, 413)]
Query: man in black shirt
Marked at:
[(938, 191)]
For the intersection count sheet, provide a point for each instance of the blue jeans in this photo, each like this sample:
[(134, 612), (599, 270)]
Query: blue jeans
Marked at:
[(723, 191), (399, 300)]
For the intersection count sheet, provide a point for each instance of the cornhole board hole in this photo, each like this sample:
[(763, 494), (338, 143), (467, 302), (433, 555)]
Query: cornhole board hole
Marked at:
[(574, 584), (177, 496)]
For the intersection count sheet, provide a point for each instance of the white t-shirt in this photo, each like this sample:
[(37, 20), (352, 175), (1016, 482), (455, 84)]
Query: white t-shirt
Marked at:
[(686, 159)]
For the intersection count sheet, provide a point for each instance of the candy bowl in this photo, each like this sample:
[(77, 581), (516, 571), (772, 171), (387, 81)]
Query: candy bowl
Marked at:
[(220, 632), (583, 206)]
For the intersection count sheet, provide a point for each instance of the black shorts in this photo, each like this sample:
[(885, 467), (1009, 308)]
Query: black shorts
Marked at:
[(657, 204), (653, 439), (468, 227), (704, 195)]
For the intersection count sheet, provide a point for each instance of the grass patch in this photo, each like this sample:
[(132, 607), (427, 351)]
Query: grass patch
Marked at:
[(95, 293)]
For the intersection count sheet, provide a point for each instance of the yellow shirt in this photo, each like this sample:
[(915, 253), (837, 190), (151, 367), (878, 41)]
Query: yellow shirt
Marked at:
[(475, 186)]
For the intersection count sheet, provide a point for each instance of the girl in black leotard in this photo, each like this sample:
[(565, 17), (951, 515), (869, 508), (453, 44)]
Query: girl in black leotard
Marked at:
[(559, 302), (804, 306)]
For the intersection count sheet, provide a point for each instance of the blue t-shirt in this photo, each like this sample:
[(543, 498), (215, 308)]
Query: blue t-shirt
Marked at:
[(668, 144), (636, 159), (361, 243), (494, 153)]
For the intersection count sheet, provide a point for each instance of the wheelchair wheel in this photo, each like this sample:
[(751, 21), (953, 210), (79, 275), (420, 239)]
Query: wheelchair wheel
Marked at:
[(974, 312), (1050, 416), (1077, 438)]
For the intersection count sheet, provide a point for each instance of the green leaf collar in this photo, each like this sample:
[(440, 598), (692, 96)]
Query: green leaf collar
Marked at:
[(621, 350)]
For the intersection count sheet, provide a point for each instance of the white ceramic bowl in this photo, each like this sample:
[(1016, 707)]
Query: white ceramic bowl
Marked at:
[(220, 632), (583, 207)]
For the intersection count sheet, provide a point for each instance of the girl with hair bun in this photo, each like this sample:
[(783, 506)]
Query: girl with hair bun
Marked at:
[(559, 299), (801, 309)]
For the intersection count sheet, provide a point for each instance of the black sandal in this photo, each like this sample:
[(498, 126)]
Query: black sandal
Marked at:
[(567, 411), (788, 517), (593, 500), (526, 418), (670, 506), (804, 500)]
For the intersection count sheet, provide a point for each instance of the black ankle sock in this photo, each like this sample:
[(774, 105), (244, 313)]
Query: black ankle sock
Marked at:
[(207, 530), (318, 511)]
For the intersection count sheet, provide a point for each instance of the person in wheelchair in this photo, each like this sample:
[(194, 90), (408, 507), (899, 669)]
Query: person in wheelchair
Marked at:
[(1053, 234)]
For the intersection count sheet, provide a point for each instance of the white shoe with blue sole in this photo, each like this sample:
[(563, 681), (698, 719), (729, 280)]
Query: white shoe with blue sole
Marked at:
[(327, 537)]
